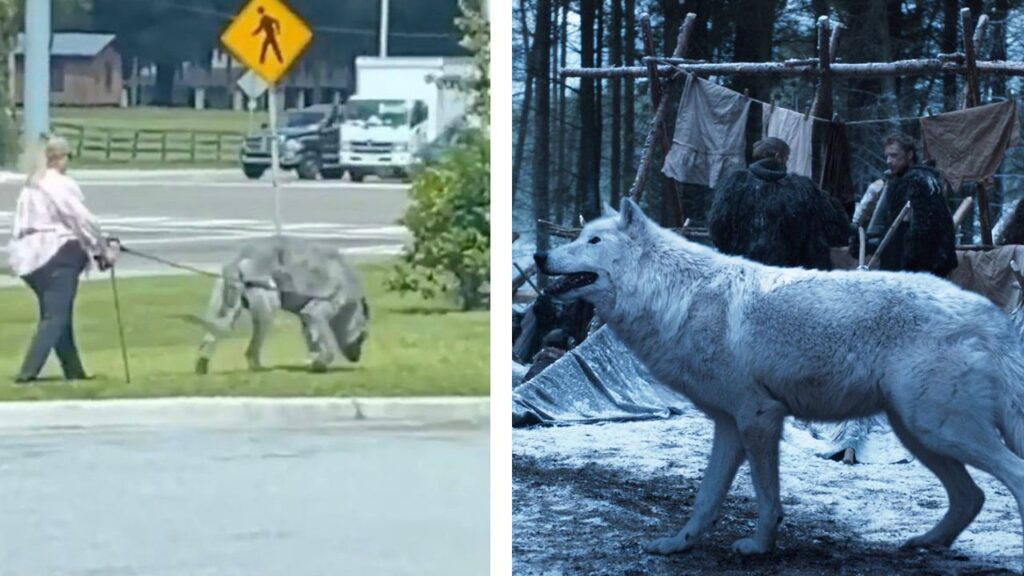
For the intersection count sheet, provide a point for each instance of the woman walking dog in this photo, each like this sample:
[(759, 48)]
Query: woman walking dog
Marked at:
[(52, 239)]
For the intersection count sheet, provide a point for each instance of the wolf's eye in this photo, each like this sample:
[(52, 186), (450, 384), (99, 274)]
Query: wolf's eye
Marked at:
[(594, 240)]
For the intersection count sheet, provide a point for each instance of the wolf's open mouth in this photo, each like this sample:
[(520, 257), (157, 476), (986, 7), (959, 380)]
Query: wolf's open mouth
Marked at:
[(572, 281)]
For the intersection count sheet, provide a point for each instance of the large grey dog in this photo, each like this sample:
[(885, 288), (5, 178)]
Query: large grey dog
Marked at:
[(309, 279), (749, 344)]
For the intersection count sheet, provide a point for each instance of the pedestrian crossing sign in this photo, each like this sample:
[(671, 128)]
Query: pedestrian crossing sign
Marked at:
[(268, 37)]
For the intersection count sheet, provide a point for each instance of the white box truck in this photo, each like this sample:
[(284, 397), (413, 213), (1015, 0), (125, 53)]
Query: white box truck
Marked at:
[(397, 108)]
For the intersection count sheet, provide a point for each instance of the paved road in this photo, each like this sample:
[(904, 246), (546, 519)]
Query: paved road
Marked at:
[(347, 500), (201, 218)]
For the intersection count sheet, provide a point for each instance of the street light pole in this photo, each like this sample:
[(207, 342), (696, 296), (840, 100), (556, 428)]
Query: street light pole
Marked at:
[(37, 68), (383, 28)]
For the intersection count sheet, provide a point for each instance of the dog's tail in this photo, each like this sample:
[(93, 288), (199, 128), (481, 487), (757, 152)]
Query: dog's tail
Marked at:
[(221, 309)]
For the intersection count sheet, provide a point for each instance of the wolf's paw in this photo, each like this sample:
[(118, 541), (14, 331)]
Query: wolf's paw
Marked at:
[(672, 545), (750, 547), (924, 541)]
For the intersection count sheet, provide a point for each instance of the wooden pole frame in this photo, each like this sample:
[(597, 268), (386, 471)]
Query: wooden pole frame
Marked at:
[(658, 122), (825, 67), (661, 103), (972, 97)]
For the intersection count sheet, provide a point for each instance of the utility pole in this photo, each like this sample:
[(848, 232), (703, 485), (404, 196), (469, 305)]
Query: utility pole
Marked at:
[(383, 28), (37, 69)]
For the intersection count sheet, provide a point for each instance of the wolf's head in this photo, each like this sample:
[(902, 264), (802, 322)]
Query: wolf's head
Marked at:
[(605, 250)]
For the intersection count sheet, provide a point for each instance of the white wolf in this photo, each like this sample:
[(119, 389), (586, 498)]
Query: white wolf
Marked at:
[(750, 344)]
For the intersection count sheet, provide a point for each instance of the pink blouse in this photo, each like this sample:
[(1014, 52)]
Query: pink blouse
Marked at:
[(47, 216)]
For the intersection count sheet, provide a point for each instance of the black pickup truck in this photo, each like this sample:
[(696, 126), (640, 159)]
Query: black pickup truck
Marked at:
[(309, 140)]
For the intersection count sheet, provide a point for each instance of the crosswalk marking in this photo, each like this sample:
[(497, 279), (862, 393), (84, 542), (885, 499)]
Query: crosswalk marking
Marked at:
[(175, 230)]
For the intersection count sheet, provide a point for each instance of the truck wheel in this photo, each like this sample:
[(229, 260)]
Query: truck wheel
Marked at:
[(307, 169), (332, 173), (356, 176), (253, 172)]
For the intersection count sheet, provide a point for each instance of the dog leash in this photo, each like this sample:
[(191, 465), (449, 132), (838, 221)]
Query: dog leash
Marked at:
[(186, 267), (170, 263), (242, 283)]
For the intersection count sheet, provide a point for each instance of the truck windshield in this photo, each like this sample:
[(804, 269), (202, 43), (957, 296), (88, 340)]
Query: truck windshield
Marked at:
[(387, 112), (303, 118)]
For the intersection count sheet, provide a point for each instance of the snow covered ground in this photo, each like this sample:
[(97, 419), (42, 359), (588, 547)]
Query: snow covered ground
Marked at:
[(585, 499)]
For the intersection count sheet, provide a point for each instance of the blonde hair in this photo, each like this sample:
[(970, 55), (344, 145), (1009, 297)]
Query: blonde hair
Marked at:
[(41, 153)]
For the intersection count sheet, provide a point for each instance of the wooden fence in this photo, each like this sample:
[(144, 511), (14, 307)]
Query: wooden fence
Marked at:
[(126, 144)]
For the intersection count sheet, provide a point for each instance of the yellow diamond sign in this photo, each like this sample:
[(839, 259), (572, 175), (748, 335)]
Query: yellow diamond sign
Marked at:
[(267, 37)]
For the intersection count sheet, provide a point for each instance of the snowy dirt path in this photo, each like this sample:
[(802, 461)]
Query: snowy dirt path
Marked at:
[(585, 499)]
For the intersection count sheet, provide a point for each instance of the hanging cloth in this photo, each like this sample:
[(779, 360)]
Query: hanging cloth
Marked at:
[(970, 144), (710, 136), (794, 129), (835, 170)]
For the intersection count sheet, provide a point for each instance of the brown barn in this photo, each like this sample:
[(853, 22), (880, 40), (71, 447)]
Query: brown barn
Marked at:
[(85, 70)]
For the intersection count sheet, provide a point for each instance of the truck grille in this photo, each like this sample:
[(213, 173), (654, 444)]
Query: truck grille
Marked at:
[(367, 147), (257, 143)]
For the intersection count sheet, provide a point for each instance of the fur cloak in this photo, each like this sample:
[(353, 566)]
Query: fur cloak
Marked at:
[(766, 215), (926, 243)]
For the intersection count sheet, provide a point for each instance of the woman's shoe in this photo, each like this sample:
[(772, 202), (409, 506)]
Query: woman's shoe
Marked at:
[(24, 381)]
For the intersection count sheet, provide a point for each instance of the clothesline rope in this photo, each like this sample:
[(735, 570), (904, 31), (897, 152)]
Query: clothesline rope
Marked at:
[(818, 119)]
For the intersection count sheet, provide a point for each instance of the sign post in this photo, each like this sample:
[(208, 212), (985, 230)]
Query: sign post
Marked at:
[(253, 87), (274, 155), (268, 37)]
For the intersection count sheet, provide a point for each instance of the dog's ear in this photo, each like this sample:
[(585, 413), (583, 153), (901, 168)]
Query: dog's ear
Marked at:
[(630, 214), (607, 211)]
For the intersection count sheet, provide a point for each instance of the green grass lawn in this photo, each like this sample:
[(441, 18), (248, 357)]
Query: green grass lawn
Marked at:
[(415, 348), (149, 117)]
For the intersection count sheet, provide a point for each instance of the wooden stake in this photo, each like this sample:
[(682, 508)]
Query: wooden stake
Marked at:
[(972, 41), (961, 211), (973, 90), (658, 122), (903, 215)]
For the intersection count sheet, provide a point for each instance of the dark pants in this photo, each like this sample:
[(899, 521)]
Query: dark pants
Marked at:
[(55, 285)]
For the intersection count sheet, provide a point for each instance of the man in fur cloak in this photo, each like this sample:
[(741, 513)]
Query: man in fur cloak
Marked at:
[(765, 214), (927, 242)]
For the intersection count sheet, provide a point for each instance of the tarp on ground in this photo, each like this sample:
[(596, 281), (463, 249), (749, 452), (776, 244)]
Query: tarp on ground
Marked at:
[(599, 380)]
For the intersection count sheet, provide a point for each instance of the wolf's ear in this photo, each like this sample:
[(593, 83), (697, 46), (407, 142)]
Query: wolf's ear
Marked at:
[(607, 211), (630, 214)]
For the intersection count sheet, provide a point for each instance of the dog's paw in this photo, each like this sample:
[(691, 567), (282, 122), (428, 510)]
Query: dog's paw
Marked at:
[(672, 545), (749, 547)]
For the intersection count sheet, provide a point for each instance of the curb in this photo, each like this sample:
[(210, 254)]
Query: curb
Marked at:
[(222, 412)]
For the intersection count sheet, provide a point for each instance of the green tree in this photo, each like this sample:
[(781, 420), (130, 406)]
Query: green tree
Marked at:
[(8, 35), (449, 216)]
